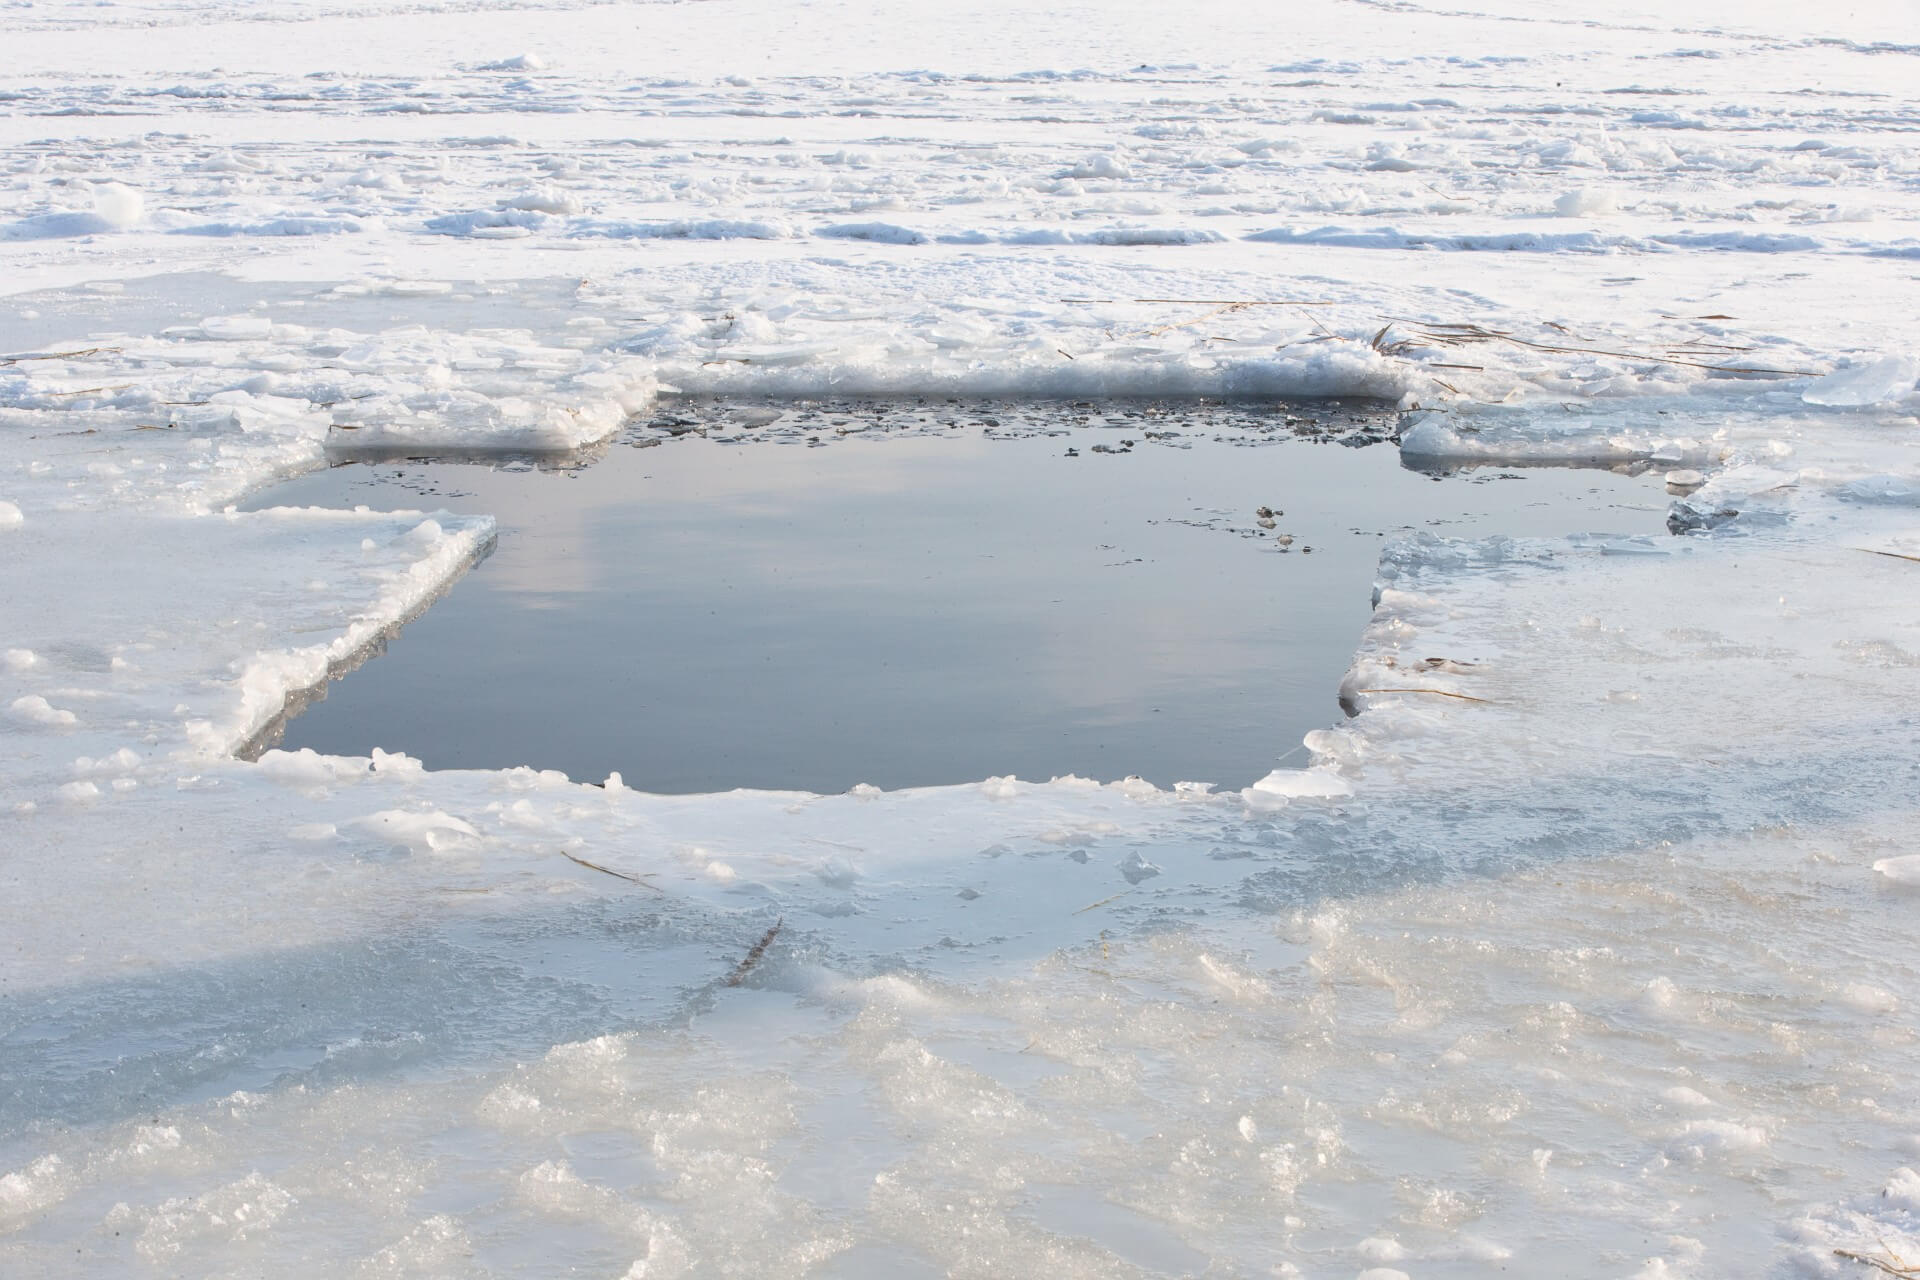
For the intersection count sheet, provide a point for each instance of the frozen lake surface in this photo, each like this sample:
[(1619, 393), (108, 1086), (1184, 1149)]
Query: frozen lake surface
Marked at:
[(1585, 949), (947, 592)]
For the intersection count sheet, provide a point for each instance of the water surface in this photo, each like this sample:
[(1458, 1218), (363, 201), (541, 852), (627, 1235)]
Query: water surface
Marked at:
[(930, 595)]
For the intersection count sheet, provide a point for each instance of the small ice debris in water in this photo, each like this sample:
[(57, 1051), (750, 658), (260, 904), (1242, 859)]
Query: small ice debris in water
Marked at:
[(1887, 378), (10, 517), (1684, 481), (1382, 1273), (20, 659), (34, 709), (1136, 868), (968, 895)]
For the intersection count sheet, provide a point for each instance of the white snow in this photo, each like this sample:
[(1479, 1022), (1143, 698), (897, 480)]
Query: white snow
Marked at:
[(1585, 948)]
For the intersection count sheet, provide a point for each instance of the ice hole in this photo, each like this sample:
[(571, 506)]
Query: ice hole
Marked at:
[(807, 595)]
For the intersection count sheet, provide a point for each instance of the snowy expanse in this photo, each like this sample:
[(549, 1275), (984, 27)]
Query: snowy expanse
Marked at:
[(1586, 949)]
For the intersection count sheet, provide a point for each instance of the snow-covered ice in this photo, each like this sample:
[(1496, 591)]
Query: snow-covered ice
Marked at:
[(1584, 948)]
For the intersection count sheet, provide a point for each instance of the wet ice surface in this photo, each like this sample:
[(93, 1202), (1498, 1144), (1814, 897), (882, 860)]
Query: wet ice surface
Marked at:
[(950, 591), (1586, 949)]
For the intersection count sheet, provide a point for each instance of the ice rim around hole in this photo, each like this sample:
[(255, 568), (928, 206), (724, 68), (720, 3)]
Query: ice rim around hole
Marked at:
[(1113, 427)]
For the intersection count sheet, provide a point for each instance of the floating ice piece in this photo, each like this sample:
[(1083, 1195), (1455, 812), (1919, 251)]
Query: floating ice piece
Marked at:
[(10, 516), (1684, 481), (1630, 547), (1283, 786), (1901, 870), (34, 709), (1887, 378), (1136, 868)]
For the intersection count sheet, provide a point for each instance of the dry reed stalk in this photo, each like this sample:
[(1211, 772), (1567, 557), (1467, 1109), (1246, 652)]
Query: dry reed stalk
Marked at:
[(1438, 693), (609, 871), (1893, 1264), (1103, 902), (745, 967), (56, 355)]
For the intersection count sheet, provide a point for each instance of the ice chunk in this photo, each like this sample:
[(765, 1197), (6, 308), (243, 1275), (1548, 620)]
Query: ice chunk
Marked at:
[(431, 831), (877, 232), (1887, 378), (1684, 481), (117, 205), (34, 709), (518, 62), (1902, 870), (10, 517), (1282, 786), (1586, 202)]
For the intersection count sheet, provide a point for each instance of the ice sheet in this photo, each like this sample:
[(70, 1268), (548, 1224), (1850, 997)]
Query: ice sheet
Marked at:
[(1585, 949)]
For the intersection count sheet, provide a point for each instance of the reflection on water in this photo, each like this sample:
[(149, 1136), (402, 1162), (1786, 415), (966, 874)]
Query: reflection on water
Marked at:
[(911, 607)]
